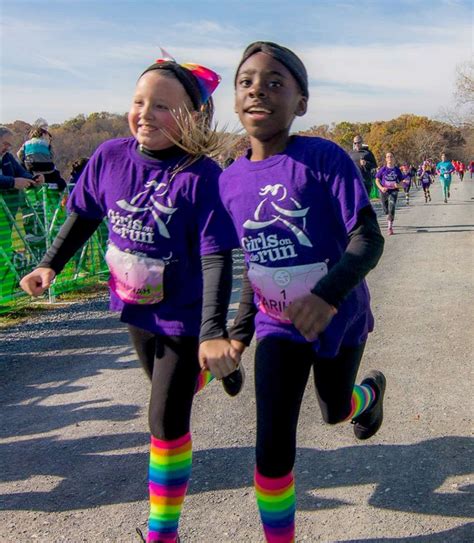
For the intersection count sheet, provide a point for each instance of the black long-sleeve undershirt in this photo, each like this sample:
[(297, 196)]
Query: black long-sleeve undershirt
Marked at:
[(217, 290), (217, 272), (75, 231)]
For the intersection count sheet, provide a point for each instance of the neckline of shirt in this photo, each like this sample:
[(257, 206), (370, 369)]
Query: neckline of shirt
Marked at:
[(270, 161)]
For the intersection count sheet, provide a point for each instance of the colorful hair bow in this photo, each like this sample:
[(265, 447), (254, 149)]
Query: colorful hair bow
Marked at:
[(207, 79)]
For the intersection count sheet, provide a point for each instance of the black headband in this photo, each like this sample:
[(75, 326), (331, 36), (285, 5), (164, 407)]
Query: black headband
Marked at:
[(283, 55)]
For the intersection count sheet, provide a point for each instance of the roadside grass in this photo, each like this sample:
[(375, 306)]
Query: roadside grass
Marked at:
[(27, 308)]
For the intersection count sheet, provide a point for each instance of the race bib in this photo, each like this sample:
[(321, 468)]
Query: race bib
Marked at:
[(135, 279), (276, 288)]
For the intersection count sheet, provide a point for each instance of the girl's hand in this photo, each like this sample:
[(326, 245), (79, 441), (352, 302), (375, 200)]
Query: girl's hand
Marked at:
[(219, 357), (383, 189), (311, 315), (238, 345), (37, 281)]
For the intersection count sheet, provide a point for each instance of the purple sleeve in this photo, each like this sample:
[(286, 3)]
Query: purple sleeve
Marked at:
[(85, 198), (347, 188), (379, 173), (216, 230)]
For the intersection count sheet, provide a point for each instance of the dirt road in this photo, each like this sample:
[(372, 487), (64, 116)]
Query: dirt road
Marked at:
[(73, 424)]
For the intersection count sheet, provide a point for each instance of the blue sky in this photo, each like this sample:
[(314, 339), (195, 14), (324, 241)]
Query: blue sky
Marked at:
[(367, 60)]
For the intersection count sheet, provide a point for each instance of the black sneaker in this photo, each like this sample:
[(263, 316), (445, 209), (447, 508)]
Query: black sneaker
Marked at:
[(234, 382), (369, 421)]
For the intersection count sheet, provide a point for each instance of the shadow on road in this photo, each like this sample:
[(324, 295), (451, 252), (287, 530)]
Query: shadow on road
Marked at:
[(460, 534), (98, 470), (35, 370)]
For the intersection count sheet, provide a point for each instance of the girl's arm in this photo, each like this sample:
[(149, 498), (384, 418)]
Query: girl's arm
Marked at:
[(71, 237), (215, 351), (217, 289), (379, 186), (73, 234), (243, 328), (361, 255)]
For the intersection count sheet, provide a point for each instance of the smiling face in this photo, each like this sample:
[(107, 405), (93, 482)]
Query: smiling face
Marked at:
[(156, 97), (267, 99)]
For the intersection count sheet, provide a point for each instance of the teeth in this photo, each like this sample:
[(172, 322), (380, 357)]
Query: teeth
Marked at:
[(259, 110)]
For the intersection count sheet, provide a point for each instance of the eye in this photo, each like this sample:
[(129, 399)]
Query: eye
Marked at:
[(275, 84), (245, 82), (161, 107)]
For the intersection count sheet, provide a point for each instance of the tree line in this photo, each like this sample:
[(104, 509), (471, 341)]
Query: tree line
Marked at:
[(411, 138)]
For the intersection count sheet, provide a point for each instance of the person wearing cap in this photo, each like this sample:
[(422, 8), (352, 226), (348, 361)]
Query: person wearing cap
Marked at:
[(309, 237), (365, 161), (170, 263)]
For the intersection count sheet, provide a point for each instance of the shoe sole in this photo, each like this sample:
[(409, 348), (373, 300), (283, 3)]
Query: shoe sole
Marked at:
[(233, 394)]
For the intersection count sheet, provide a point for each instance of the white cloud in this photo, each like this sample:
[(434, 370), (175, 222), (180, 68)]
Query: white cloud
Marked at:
[(362, 82)]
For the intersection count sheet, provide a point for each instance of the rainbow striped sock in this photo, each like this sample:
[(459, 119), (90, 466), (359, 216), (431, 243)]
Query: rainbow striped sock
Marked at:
[(170, 468), (204, 378), (362, 398), (277, 505)]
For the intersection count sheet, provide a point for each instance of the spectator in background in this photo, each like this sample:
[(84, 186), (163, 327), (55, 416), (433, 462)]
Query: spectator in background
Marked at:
[(364, 159), (36, 154), (13, 175), (76, 170)]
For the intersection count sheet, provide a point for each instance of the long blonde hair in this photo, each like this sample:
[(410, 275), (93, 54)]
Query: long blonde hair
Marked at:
[(199, 135)]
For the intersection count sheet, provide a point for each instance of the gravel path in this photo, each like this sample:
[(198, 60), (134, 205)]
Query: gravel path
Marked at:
[(73, 426)]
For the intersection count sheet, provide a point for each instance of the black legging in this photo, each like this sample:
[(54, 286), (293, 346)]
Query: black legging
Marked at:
[(281, 373), (389, 203), (171, 362)]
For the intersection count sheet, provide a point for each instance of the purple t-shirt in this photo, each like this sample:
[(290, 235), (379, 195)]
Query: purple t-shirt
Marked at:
[(425, 179), (152, 214), (388, 176), (292, 213)]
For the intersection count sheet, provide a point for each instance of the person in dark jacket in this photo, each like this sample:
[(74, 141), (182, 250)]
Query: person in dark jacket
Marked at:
[(364, 159)]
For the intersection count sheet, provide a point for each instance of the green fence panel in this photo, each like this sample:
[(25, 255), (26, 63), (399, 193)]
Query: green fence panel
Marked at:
[(29, 222)]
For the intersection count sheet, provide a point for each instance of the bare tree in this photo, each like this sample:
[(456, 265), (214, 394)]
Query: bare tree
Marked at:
[(464, 93)]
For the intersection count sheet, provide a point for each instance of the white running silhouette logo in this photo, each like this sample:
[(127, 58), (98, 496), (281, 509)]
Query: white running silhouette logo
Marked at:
[(281, 213), (153, 205)]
